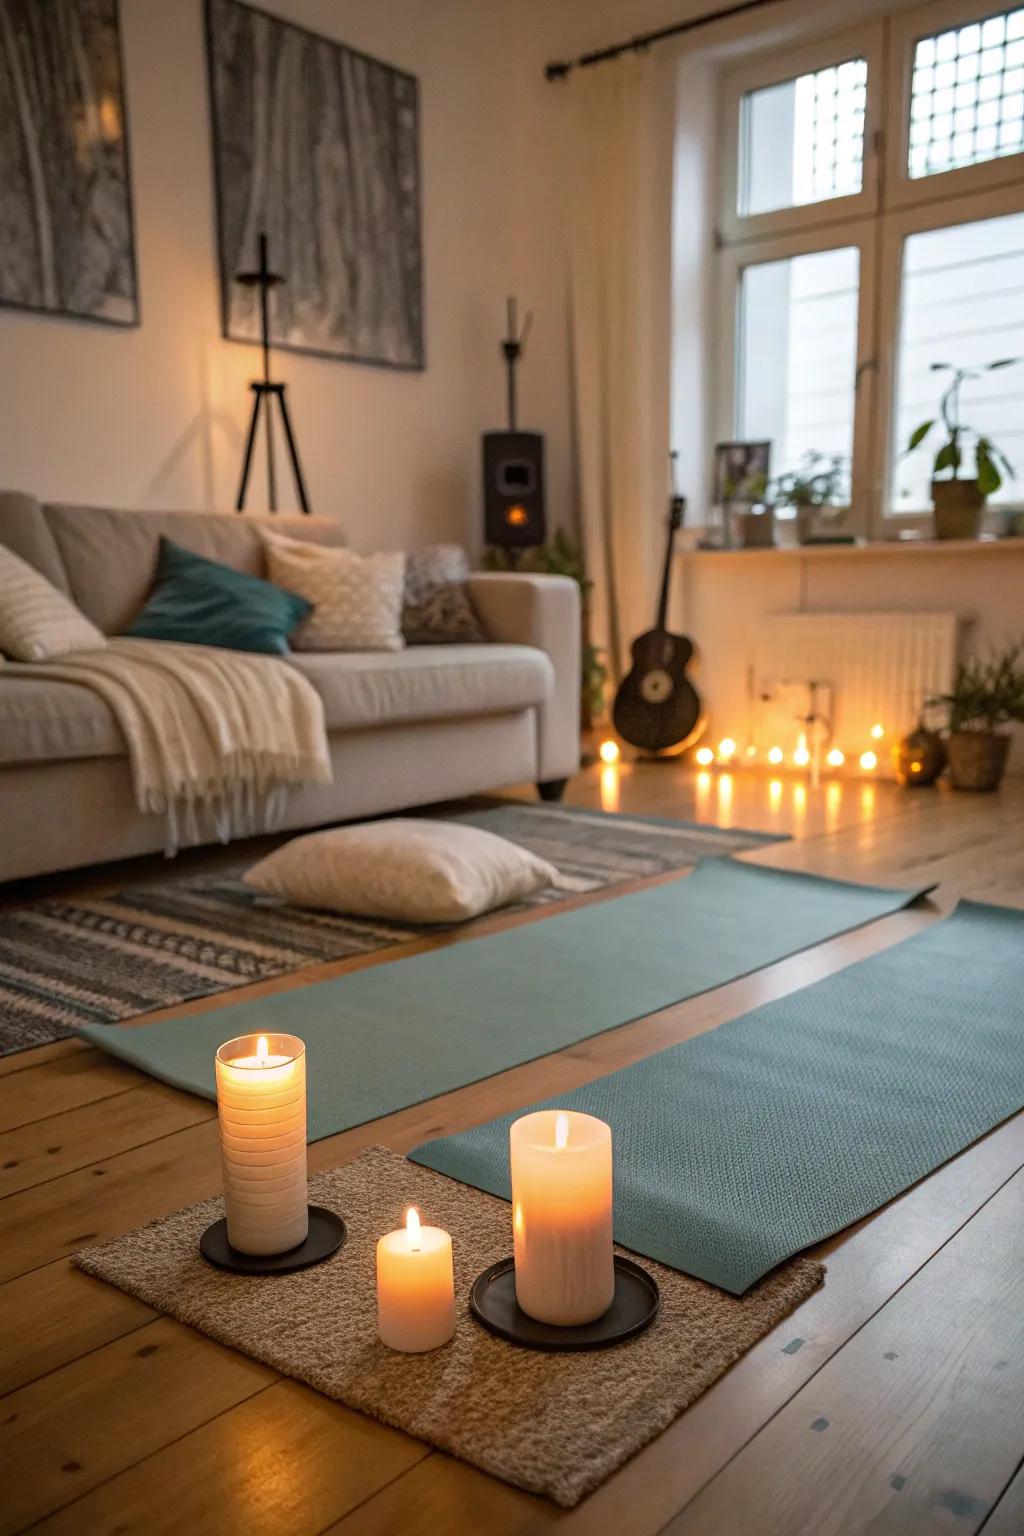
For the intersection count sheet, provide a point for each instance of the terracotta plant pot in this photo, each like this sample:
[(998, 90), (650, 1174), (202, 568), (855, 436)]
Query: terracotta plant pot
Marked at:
[(959, 505), (977, 759), (759, 529)]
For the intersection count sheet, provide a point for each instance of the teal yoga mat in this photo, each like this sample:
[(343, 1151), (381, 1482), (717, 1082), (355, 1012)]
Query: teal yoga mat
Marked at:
[(395, 1034), (738, 1148)]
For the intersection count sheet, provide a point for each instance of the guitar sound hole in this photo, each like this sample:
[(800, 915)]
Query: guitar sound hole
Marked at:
[(656, 686)]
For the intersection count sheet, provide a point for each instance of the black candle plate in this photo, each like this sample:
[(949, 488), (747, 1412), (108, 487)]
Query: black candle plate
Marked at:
[(492, 1302), (326, 1234)]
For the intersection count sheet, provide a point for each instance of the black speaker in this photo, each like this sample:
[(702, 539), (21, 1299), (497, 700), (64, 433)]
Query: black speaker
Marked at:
[(514, 489)]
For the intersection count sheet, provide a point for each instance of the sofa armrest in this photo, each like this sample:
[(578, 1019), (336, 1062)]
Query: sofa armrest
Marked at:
[(523, 608)]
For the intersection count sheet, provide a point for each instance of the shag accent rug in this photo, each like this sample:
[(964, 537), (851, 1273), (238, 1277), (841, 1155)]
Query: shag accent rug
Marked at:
[(104, 958), (554, 1424)]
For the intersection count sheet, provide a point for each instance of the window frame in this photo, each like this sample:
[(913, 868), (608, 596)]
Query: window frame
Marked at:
[(905, 31), (862, 233), (890, 207), (896, 227), (776, 68)]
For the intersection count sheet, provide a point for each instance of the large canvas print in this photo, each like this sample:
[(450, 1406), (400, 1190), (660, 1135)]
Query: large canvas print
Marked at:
[(318, 146), (66, 240)]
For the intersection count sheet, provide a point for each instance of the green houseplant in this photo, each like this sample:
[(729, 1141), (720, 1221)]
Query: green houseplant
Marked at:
[(561, 557), (959, 500), (815, 489), (986, 696)]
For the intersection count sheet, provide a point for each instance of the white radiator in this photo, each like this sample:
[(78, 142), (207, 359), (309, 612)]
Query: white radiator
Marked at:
[(870, 669)]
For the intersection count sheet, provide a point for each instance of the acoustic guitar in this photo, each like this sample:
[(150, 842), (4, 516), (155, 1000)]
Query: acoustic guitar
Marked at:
[(657, 707)]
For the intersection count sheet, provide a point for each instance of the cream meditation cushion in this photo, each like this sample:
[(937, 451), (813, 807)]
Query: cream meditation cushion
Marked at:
[(357, 599), (36, 621), (408, 870)]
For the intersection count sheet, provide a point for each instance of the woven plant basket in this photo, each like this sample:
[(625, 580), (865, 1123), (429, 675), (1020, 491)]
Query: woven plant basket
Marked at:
[(977, 759)]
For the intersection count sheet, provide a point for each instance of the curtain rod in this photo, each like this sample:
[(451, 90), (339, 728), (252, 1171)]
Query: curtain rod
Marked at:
[(561, 67)]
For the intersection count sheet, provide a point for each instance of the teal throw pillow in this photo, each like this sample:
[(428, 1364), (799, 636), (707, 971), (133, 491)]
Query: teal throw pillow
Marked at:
[(201, 602)]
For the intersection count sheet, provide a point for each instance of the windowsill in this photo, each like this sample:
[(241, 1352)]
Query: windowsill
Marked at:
[(879, 547)]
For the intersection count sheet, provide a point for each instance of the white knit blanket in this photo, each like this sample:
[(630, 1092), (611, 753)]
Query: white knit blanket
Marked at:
[(216, 739)]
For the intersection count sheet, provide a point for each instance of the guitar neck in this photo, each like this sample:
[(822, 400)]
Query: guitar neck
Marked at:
[(666, 577)]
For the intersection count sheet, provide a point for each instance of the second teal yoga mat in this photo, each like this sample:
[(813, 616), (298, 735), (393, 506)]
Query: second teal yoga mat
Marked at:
[(738, 1148), (395, 1034)]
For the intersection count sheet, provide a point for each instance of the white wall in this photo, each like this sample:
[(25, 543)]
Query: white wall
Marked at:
[(155, 417)]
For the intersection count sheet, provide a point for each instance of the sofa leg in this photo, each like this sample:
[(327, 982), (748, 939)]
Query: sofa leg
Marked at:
[(552, 789)]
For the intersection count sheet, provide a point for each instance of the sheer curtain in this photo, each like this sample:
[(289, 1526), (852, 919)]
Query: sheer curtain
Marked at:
[(620, 304)]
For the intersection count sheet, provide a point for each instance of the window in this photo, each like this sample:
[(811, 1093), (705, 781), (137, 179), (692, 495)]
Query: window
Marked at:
[(803, 140), (967, 95), (797, 354), (963, 301), (841, 289)]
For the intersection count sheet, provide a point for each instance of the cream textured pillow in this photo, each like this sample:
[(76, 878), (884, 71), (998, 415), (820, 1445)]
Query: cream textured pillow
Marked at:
[(36, 621), (357, 599), (407, 870)]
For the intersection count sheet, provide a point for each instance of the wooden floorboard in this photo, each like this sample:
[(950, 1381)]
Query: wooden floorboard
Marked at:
[(1007, 1519), (916, 1426), (325, 1460), (110, 1434)]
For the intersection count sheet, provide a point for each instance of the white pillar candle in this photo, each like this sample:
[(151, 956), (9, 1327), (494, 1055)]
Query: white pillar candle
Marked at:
[(562, 1216), (261, 1104), (415, 1287)]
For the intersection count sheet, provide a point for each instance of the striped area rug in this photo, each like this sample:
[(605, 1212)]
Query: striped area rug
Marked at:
[(104, 958)]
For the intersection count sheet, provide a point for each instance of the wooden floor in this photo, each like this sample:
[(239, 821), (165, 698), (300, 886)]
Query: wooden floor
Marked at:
[(892, 1401)]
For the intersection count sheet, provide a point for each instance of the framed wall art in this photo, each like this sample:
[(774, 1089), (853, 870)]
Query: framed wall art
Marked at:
[(67, 244), (317, 146)]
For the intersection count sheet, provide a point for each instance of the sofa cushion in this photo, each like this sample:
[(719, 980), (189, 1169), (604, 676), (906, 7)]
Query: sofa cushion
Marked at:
[(37, 621), (430, 682), (23, 528), (45, 721), (197, 601), (110, 557), (355, 601)]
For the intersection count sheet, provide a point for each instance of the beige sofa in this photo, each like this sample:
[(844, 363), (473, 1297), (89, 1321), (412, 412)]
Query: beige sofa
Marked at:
[(427, 723)]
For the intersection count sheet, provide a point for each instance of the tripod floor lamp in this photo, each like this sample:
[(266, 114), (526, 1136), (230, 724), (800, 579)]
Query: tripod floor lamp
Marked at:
[(265, 391)]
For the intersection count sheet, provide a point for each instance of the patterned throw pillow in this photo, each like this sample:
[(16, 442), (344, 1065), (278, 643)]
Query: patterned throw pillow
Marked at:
[(357, 599), (36, 621), (437, 607)]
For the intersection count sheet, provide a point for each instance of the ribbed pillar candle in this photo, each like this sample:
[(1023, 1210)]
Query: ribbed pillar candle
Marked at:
[(562, 1216), (261, 1104)]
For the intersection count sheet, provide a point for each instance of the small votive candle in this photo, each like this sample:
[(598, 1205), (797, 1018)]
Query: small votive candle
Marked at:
[(261, 1107), (415, 1287), (562, 1216)]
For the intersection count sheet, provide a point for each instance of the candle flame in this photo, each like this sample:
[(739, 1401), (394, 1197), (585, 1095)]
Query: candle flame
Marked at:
[(262, 1048), (562, 1131), (609, 751), (412, 1229)]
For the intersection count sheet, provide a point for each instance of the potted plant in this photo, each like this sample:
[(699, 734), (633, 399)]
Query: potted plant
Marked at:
[(986, 695), (814, 490), (959, 501)]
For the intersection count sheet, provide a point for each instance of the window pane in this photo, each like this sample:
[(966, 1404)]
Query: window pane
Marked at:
[(797, 355), (962, 303), (967, 95), (802, 141)]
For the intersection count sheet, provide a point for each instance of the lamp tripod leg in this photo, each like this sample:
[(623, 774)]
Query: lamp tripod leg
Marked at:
[(249, 442), (300, 484)]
